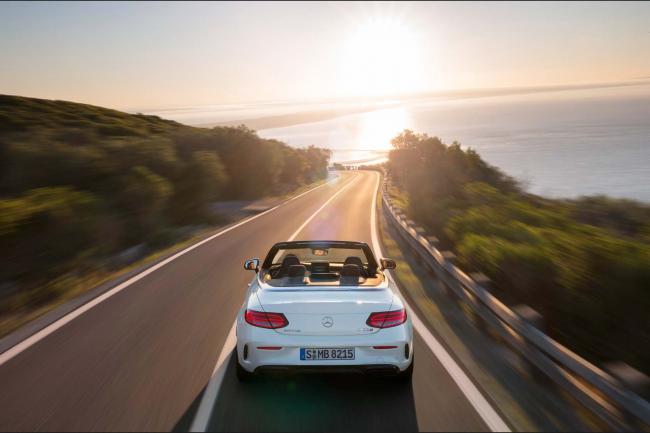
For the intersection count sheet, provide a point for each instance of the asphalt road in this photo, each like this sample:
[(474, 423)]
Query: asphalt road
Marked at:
[(142, 357)]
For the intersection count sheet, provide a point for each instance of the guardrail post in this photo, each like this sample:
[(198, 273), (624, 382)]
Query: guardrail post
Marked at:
[(531, 316), (482, 280), (421, 252), (635, 381), (434, 241), (536, 320), (449, 257)]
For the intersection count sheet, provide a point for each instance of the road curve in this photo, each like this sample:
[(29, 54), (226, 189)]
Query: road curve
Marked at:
[(139, 359)]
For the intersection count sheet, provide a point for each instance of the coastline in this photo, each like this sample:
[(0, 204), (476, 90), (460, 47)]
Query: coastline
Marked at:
[(313, 116)]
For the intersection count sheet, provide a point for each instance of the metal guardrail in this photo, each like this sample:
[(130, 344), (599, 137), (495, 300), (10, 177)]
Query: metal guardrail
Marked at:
[(607, 397)]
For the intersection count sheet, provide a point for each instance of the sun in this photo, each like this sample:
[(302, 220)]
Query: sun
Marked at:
[(380, 58)]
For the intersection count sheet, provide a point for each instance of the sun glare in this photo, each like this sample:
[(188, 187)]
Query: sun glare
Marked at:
[(380, 126), (380, 58)]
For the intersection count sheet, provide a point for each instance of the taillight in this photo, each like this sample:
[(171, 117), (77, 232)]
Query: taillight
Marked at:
[(386, 319), (266, 320)]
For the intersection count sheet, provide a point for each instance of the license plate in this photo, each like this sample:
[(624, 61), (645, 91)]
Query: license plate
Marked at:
[(326, 354)]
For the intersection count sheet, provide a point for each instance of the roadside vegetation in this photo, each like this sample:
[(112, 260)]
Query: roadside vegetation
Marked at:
[(584, 264), (81, 185)]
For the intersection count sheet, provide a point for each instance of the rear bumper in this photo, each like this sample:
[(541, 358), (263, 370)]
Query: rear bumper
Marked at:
[(374, 370), (253, 353)]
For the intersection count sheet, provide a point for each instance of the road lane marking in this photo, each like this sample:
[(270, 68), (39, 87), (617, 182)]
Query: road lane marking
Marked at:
[(52, 327), (467, 387), (293, 236), (209, 398), (211, 393)]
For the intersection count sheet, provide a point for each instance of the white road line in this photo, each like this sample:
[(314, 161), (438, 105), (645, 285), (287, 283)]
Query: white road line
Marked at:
[(38, 336), (293, 236), (467, 387), (211, 393), (203, 414)]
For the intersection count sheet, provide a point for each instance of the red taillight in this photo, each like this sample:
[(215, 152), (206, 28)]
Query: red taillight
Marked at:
[(266, 320), (387, 319)]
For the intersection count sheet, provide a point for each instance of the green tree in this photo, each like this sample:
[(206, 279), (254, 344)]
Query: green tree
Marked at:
[(143, 198), (202, 181), (581, 263), (44, 229)]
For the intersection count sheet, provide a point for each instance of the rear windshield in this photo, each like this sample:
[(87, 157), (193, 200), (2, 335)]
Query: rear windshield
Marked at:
[(331, 254)]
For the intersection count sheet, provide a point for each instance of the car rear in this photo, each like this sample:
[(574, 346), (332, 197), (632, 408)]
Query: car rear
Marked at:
[(324, 329)]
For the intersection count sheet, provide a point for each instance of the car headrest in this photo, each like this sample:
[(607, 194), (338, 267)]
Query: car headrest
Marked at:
[(297, 271), (350, 270), (354, 260), (349, 275), (288, 261)]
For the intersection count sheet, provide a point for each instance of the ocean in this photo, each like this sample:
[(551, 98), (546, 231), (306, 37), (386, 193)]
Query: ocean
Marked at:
[(558, 144), (565, 143)]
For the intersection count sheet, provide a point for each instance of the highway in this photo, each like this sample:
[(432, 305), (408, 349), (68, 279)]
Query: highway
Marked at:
[(141, 357)]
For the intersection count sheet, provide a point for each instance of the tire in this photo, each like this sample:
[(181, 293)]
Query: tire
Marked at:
[(407, 375), (244, 375)]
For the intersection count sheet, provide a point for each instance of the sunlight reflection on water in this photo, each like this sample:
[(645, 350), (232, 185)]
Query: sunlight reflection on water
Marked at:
[(377, 128), (582, 143)]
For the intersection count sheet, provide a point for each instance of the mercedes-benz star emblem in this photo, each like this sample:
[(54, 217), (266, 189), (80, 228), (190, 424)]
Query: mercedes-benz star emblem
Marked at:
[(327, 321)]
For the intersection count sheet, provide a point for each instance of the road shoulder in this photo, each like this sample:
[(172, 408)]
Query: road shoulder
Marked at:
[(525, 404)]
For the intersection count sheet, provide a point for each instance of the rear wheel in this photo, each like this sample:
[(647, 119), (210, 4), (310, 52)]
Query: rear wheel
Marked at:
[(244, 375)]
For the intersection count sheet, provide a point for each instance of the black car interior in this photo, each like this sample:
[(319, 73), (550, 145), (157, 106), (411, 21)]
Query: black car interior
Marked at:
[(321, 263), (289, 260), (352, 272), (354, 260), (350, 275)]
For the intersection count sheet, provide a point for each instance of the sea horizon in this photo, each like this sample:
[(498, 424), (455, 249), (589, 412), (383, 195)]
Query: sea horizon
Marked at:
[(556, 143)]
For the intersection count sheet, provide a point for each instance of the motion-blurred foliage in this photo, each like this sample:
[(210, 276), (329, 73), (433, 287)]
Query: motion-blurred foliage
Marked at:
[(80, 183), (584, 263)]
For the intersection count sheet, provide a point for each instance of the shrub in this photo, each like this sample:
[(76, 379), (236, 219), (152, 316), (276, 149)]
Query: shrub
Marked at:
[(582, 263), (78, 184)]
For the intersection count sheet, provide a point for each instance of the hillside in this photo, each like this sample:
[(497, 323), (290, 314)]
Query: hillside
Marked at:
[(21, 114), (80, 184), (582, 263)]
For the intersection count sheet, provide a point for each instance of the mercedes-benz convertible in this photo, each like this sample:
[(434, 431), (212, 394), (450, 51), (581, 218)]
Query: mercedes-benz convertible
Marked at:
[(323, 306)]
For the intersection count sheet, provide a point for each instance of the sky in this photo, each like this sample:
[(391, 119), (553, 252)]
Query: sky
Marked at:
[(144, 56)]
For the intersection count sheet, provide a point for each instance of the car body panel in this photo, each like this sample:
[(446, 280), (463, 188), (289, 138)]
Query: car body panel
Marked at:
[(348, 309), (322, 317)]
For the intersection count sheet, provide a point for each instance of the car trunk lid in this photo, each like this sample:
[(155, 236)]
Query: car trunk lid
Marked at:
[(326, 311)]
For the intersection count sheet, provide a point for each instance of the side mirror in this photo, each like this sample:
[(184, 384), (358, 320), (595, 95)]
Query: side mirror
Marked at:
[(252, 265), (387, 264)]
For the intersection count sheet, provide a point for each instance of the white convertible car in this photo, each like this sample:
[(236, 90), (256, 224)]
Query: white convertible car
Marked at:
[(323, 305)]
